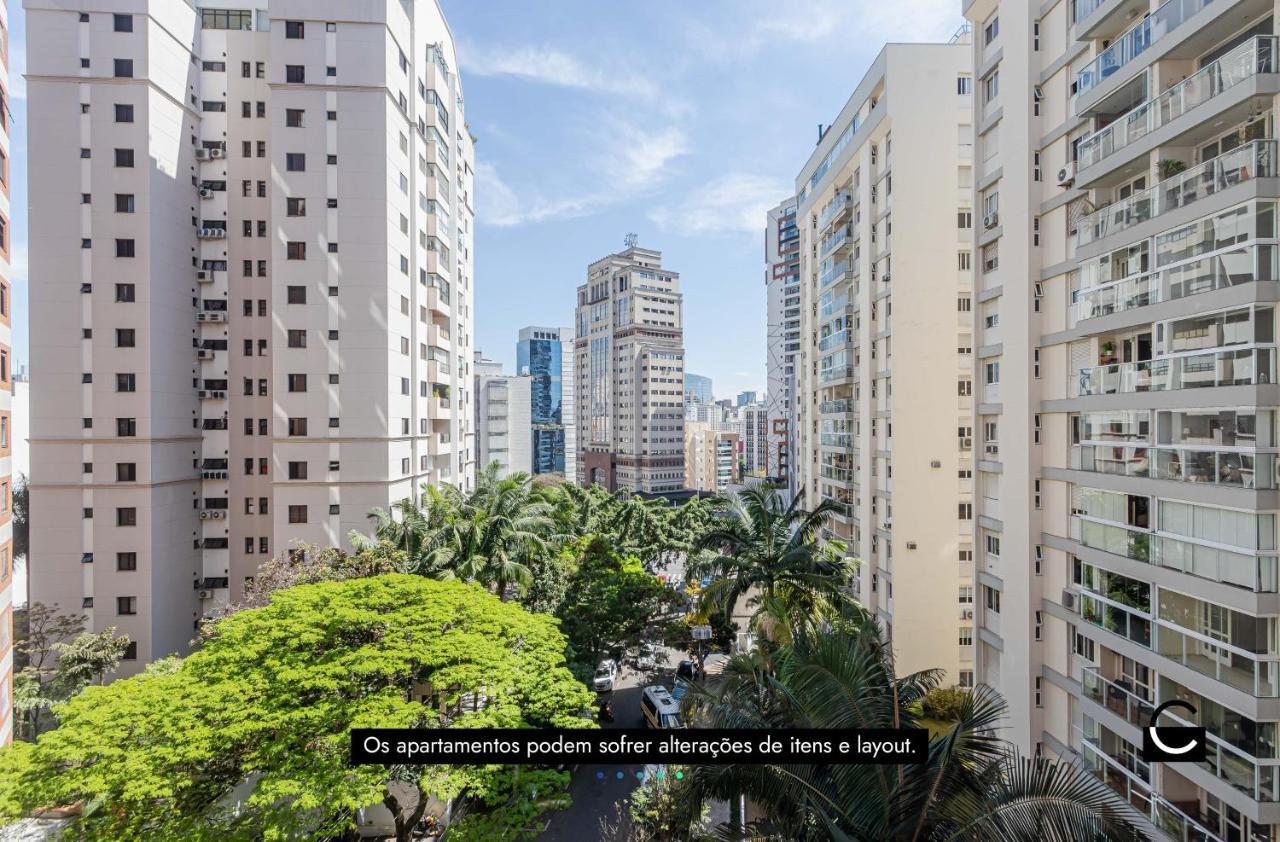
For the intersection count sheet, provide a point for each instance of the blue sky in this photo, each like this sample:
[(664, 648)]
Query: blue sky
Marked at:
[(680, 121)]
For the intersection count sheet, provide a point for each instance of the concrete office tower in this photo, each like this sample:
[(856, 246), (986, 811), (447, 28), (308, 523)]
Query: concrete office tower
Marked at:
[(755, 439), (1126, 391), (629, 362), (882, 272), (251, 291), (546, 355), (782, 287), (504, 429), (710, 457), (697, 387), (6, 402)]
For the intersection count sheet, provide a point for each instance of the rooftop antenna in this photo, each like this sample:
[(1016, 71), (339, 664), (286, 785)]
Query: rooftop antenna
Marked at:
[(630, 240)]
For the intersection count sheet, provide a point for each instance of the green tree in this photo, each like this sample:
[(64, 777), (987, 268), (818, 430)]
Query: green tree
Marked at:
[(972, 787), (21, 517), (267, 705), (610, 601)]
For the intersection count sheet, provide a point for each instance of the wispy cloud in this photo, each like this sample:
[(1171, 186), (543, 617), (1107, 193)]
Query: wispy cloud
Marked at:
[(501, 205), (550, 66), (640, 158), (731, 204)]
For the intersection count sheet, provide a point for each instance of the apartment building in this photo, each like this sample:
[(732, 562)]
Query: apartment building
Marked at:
[(7, 386), (251, 308), (882, 411), (782, 291), (755, 439), (1126, 376), (629, 364), (711, 457), (504, 411), (546, 355)]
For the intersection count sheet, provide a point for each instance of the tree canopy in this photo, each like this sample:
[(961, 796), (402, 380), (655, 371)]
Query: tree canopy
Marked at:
[(247, 738)]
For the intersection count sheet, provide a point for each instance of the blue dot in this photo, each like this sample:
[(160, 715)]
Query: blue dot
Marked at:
[(660, 773), (640, 775), (619, 776), (599, 776)]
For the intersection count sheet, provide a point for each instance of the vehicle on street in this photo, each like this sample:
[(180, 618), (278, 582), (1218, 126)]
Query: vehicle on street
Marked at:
[(606, 673), (659, 708), (647, 657), (685, 670)]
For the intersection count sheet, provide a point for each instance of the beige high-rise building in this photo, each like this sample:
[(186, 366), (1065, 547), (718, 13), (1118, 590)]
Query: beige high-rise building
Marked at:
[(1125, 392), (782, 291), (6, 402), (251, 304), (710, 457), (629, 364), (882, 412)]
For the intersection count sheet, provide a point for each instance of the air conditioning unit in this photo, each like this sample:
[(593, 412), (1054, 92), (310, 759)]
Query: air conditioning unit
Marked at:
[(1069, 600), (212, 233), (203, 277), (204, 354), (885, 277), (206, 594), (204, 515), (966, 613), (217, 153), (206, 193), (211, 316), (1067, 175), (966, 443), (936, 463), (991, 220), (202, 154)]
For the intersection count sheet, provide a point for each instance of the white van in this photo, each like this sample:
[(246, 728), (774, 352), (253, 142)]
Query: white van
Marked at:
[(660, 709)]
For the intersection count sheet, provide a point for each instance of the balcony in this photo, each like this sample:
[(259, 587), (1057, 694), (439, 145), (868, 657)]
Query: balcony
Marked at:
[(835, 473), (1246, 671), (835, 209), (1257, 55), (1105, 19), (839, 339), (1116, 698), (1228, 468), (842, 406), (1243, 367), (836, 241), (1123, 775), (1253, 160), (838, 271), (1136, 41), (841, 372)]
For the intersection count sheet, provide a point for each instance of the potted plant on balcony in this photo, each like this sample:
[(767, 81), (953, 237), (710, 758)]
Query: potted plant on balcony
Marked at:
[(1107, 353), (1170, 168)]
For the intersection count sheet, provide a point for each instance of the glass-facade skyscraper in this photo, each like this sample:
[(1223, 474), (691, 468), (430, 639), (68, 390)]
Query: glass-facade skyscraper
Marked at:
[(546, 355)]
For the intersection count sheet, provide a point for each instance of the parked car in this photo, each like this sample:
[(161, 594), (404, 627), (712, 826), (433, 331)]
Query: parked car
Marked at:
[(685, 670), (647, 657), (606, 672)]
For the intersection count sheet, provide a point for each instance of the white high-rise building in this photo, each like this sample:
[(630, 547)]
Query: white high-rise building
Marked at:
[(886, 330), (251, 307), (782, 288), (755, 439), (504, 429), (1125, 396), (7, 387), (629, 363)]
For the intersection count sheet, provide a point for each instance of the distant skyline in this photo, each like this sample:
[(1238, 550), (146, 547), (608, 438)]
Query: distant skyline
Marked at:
[(681, 123)]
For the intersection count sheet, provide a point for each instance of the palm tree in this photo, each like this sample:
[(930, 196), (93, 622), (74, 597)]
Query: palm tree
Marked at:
[(771, 553), (972, 787), (640, 526)]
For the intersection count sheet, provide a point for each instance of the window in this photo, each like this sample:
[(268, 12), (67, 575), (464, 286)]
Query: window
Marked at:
[(297, 426), (966, 595), (294, 29), (126, 472), (964, 218), (122, 23), (297, 470), (964, 85), (126, 516), (992, 599), (245, 69), (297, 514), (295, 162), (124, 68), (296, 250), (297, 382), (297, 338), (126, 382), (1035, 166), (964, 388), (213, 105), (295, 73), (966, 635), (966, 679), (124, 113), (126, 605), (966, 511), (124, 203), (991, 87), (124, 292), (992, 371), (964, 261), (293, 118), (296, 207), (990, 31), (125, 248), (218, 66), (331, 71), (126, 561), (124, 157)]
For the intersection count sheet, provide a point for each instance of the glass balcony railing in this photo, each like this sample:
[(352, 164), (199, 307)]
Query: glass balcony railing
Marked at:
[(839, 339), (842, 372), (836, 272), (837, 440), (836, 239), (1124, 776), (1257, 55), (1206, 274), (842, 202), (833, 407), (1228, 468), (1258, 571), (835, 474), (1243, 367), (1081, 9), (1116, 619), (1136, 41), (1116, 698), (1255, 674), (1253, 160)]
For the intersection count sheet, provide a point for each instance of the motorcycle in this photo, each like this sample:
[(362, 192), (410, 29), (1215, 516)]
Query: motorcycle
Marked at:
[(606, 712)]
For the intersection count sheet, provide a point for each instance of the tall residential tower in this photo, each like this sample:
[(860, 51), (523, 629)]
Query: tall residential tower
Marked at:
[(251, 298), (782, 289), (629, 363)]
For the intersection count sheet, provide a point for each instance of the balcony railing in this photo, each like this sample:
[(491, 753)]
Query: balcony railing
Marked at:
[(836, 272), (1116, 698), (1253, 160), (835, 239), (839, 406), (1257, 55), (1227, 468), (1206, 274), (1173, 820), (1136, 41), (1255, 674), (831, 472), (842, 202), (839, 339), (1243, 367), (841, 372)]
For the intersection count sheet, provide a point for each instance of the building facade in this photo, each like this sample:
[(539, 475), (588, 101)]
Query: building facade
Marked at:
[(252, 291), (546, 355), (880, 204), (7, 385), (504, 412), (697, 387), (711, 457), (755, 439), (629, 364), (1125, 391), (782, 290)]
